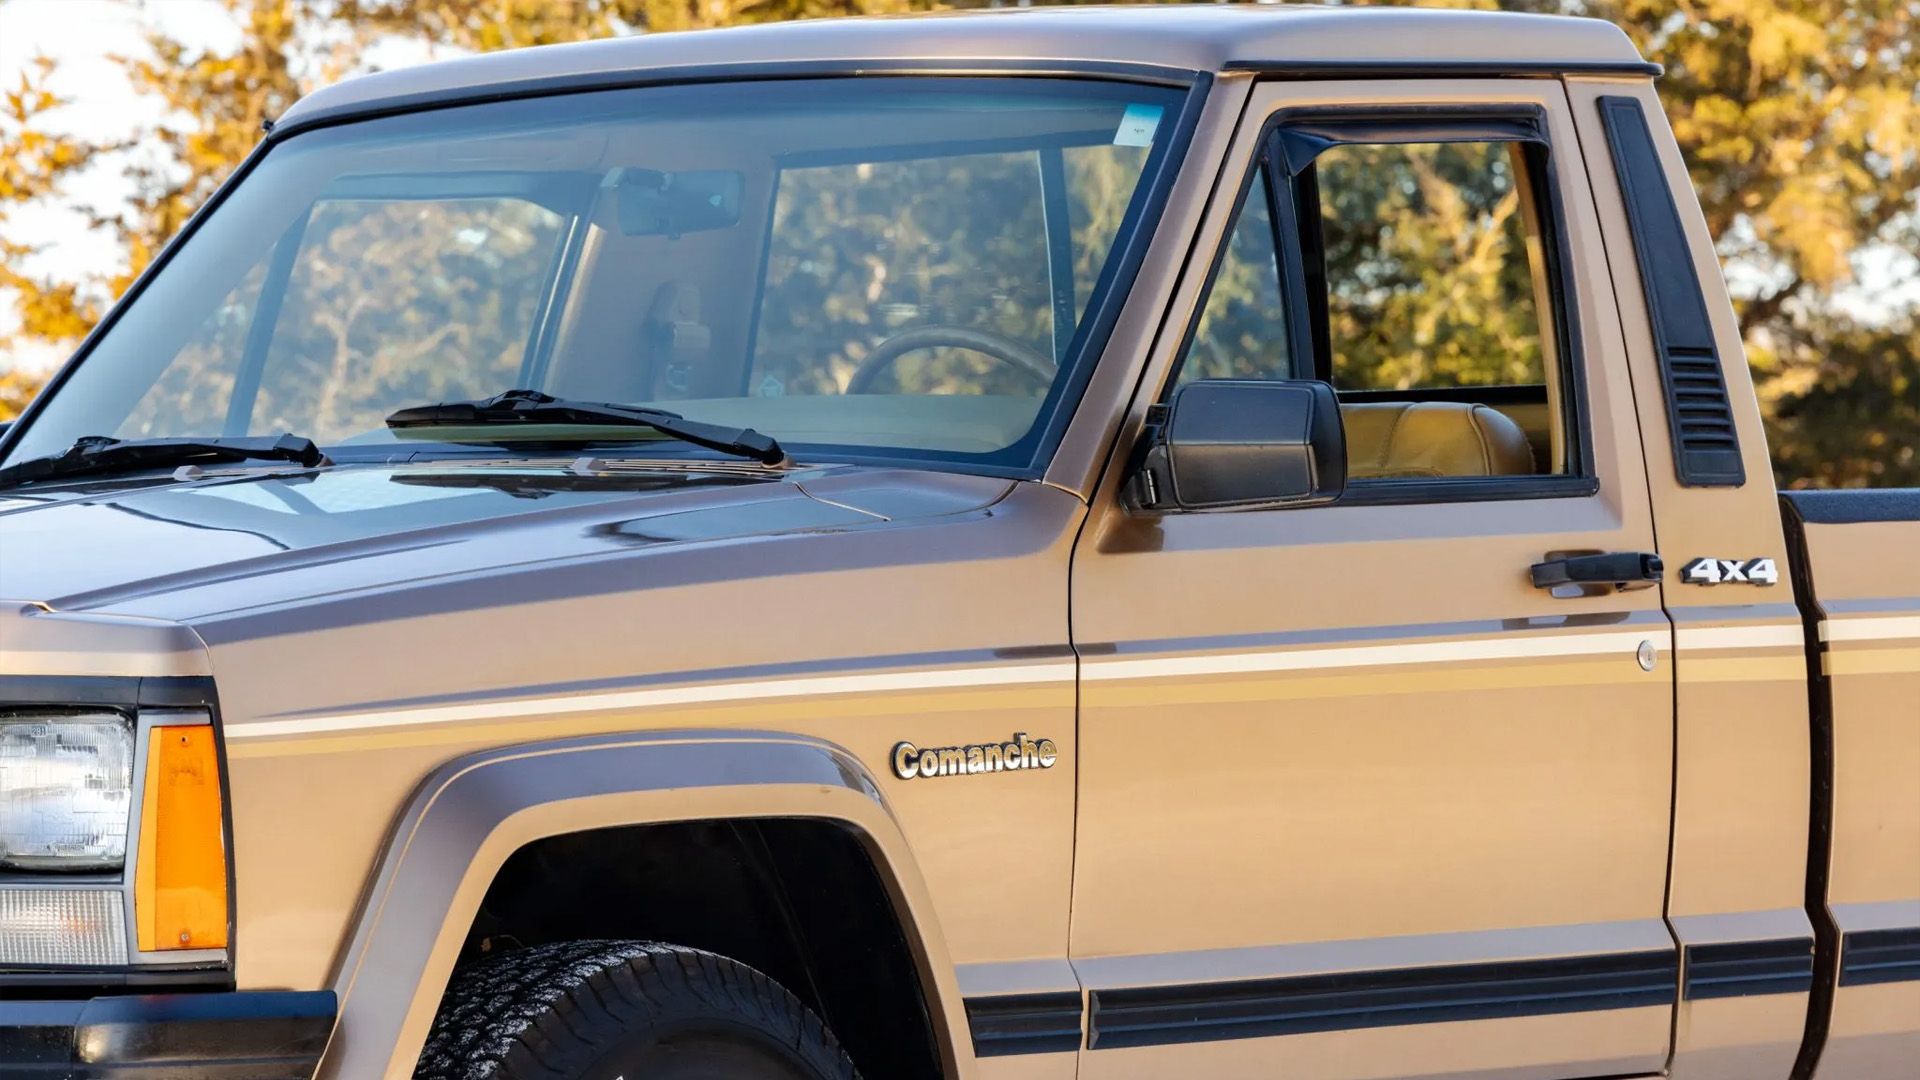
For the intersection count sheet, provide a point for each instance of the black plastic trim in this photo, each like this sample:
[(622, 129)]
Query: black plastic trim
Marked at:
[(1307, 132), (1041, 1023), (1204, 1012), (1746, 968), (1872, 957), (1442, 69), (1462, 489), (258, 1034), (1855, 506), (120, 692), (1706, 442), (1514, 394), (1826, 934), (21, 984)]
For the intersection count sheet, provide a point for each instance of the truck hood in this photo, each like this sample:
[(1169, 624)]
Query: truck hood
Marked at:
[(183, 549)]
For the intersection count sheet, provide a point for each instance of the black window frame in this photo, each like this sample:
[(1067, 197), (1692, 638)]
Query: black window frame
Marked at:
[(1289, 142), (1297, 340)]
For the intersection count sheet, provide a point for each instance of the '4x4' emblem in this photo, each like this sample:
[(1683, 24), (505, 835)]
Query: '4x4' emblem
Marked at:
[(1705, 571)]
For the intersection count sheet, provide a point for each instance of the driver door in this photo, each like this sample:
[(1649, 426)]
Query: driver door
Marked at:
[(1356, 798)]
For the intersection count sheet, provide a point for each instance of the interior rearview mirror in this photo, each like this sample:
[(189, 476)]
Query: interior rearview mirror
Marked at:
[(655, 203), (1236, 444)]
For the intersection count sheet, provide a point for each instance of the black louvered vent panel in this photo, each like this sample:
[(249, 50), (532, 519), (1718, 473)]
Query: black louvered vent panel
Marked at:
[(1706, 447)]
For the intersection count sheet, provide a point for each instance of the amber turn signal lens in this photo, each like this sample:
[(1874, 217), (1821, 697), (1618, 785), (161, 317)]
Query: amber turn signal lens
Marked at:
[(180, 882)]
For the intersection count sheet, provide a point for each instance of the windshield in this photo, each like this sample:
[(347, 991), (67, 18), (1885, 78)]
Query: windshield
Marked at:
[(858, 267)]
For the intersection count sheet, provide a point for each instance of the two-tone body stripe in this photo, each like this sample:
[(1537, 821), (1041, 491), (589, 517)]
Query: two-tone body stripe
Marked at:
[(1110, 664), (1204, 1012), (1511, 646), (1123, 1017), (1024, 1023), (1871, 957), (1869, 628), (1746, 968), (664, 696)]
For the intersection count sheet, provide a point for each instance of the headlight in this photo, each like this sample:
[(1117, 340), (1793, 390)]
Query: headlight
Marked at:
[(66, 788), (69, 784)]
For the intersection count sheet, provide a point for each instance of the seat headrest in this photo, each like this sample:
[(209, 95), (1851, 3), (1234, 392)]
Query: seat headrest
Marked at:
[(1420, 439)]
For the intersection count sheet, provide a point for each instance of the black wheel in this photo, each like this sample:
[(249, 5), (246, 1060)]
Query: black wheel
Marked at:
[(624, 1010)]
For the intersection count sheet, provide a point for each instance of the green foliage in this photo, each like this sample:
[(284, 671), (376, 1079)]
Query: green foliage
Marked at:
[(1243, 329), (1855, 420), (1427, 273)]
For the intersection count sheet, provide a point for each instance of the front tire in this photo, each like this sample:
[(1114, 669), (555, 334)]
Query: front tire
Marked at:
[(624, 1010)]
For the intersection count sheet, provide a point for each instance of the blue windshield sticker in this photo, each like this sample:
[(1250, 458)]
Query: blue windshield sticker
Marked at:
[(1137, 126)]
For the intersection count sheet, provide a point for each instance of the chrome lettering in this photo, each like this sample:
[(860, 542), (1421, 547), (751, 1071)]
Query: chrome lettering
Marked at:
[(911, 762)]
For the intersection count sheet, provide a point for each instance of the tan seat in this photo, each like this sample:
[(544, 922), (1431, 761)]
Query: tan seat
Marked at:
[(1420, 439)]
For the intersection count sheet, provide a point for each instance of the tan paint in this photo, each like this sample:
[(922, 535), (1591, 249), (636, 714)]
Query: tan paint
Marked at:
[(477, 811), (1871, 654), (1872, 1036), (1741, 790), (1303, 749), (1486, 789)]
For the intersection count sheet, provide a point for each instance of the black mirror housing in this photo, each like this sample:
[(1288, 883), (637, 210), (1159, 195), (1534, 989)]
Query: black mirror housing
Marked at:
[(1225, 444)]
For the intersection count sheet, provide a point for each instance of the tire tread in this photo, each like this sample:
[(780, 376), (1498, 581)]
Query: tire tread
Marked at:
[(547, 1012)]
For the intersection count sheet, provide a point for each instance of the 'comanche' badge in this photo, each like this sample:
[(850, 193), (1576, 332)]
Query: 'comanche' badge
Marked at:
[(910, 761)]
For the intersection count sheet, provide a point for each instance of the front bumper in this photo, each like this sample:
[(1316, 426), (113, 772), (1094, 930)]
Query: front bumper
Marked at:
[(244, 1035)]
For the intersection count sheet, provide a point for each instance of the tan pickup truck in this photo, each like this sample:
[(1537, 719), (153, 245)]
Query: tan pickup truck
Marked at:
[(1117, 545)]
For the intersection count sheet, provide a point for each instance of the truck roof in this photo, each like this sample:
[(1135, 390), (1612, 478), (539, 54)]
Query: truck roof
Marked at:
[(1178, 38)]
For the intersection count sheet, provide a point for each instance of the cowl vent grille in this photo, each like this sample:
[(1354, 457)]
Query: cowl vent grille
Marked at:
[(1706, 445)]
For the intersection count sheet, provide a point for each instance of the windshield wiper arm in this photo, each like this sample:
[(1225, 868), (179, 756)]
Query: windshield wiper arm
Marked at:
[(103, 453), (534, 407)]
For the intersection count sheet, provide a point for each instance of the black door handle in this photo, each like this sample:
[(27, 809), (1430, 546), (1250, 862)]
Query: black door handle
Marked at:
[(1623, 570)]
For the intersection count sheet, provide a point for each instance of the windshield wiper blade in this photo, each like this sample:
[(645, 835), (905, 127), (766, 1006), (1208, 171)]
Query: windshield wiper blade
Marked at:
[(534, 407), (103, 454)]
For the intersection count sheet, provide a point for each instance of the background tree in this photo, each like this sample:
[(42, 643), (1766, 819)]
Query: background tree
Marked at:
[(34, 163), (1800, 120)]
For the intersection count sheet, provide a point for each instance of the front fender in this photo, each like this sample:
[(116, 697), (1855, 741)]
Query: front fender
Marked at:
[(475, 811)]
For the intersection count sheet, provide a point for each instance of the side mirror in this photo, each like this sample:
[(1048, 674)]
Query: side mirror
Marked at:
[(1235, 444)]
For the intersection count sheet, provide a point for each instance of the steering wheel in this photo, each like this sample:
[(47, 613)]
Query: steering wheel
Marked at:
[(1004, 349)]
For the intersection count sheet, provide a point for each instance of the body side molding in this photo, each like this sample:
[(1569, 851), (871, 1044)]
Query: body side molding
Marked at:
[(1871, 957), (1201, 1012), (1745, 968), (1040, 1023)]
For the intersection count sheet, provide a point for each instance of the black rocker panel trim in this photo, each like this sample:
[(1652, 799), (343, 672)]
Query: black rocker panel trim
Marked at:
[(1870, 957), (1024, 1023), (1204, 1012), (1706, 447), (258, 1034), (1745, 968)]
